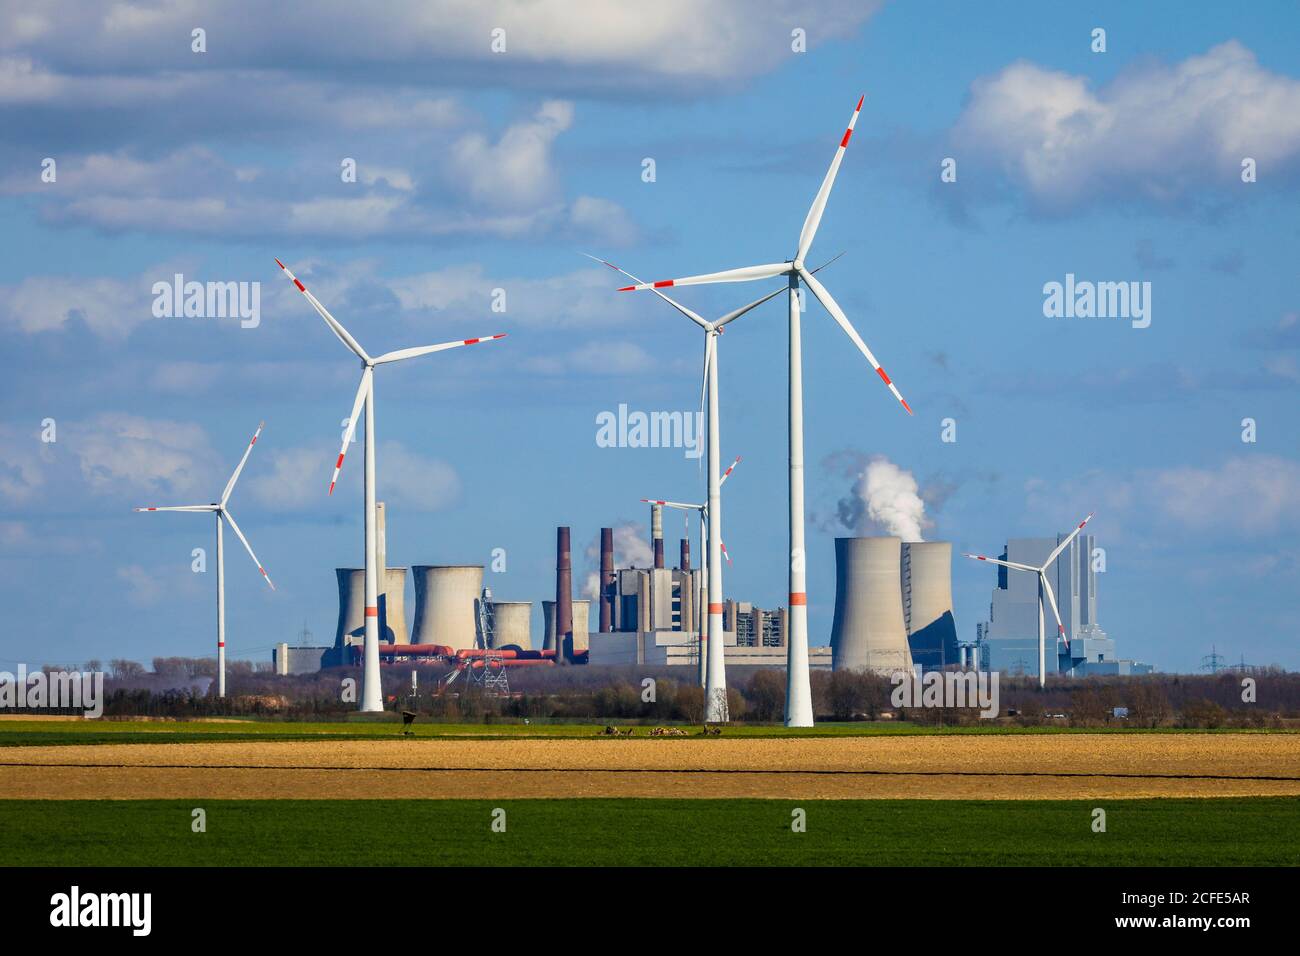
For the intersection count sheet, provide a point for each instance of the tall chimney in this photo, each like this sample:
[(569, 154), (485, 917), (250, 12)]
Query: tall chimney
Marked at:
[(563, 596), (657, 533), (685, 561), (606, 580)]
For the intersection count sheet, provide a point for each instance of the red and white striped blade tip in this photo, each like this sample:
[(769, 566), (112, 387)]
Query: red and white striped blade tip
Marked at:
[(486, 338)]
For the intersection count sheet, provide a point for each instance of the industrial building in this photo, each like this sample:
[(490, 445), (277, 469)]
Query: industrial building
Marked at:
[(1008, 641), (642, 616)]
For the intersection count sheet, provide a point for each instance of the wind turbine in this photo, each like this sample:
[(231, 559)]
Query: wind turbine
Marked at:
[(798, 698), (223, 515), (371, 696), (1044, 588), (713, 658)]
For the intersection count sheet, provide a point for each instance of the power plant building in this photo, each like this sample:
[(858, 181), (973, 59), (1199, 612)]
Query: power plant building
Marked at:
[(869, 631), (1008, 641)]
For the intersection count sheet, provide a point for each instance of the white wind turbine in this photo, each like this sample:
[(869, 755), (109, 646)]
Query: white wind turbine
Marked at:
[(713, 659), (798, 701), (1044, 588), (223, 515), (371, 696), (714, 665)]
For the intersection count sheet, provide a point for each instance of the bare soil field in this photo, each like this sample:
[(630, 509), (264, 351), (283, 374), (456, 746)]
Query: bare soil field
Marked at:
[(1075, 766)]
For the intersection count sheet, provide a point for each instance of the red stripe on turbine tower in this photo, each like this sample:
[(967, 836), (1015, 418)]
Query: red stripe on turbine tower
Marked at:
[(798, 599), (372, 612)]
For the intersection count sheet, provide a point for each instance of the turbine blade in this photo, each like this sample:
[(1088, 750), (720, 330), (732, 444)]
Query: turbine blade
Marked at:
[(180, 508), (1005, 564), (1051, 599), (732, 316), (723, 545), (670, 504), (825, 298), (814, 218), (343, 335), (1064, 544), (247, 547), (426, 349), (723, 480), (745, 274), (363, 392), (230, 485)]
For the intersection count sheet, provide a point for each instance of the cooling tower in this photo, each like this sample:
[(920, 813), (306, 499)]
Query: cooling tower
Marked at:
[(869, 632), (581, 627), (446, 604), (352, 608), (512, 623), (927, 603)]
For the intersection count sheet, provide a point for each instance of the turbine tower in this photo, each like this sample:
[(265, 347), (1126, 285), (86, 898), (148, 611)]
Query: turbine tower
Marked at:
[(371, 697), (223, 515), (1043, 589), (715, 673), (798, 698)]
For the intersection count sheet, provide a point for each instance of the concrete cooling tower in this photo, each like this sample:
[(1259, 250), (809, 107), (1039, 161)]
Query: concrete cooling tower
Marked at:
[(512, 623), (927, 603), (581, 621), (352, 608), (446, 604), (869, 632)]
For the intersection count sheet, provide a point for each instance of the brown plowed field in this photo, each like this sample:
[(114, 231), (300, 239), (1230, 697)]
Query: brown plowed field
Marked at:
[(1007, 767)]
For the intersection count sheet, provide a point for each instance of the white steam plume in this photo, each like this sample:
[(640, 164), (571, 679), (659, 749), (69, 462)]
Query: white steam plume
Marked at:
[(885, 496), (631, 549)]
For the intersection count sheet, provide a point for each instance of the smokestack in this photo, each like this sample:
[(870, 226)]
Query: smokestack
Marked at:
[(563, 597), (606, 580), (685, 561), (657, 533)]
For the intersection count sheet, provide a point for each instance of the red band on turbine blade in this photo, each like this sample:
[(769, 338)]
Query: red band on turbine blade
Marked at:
[(628, 288), (663, 283), (331, 487), (372, 612), (907, 406), (254, 441), (339, 464), (298, 283), (881, 373), (980, 557), (858, 108), (471, 342), (798, 599), (845, 141), (279, 263)]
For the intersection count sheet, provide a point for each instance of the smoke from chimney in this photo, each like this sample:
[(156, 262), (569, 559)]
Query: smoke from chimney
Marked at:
[(884, 497), (631, 549)]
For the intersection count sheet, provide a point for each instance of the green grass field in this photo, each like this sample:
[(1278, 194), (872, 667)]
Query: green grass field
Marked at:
[(18, 733), (1260, 831)]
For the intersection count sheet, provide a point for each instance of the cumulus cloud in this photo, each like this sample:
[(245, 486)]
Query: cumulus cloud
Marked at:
[(673, 47), (1243, 497), (1157, 131), (473, 186), (297, 478)]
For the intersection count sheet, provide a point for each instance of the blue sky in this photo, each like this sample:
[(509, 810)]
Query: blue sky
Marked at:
[(481, 170)]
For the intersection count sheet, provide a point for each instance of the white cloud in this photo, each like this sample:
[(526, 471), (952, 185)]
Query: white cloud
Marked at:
[(1244, 497), (1156, 131), (297, 479), (517, 170), (118, 452)]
